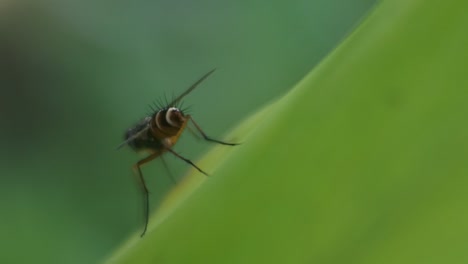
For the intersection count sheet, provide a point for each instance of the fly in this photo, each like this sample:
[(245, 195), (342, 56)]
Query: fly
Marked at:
[(158, 133)]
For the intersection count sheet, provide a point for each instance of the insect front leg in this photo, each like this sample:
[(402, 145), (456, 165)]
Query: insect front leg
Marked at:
[(186, 160), (207, 138)]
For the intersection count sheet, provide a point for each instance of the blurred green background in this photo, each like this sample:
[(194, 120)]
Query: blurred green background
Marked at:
[(76, 74)]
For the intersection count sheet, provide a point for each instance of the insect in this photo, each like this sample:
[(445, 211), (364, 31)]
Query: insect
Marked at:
[(158, 133)]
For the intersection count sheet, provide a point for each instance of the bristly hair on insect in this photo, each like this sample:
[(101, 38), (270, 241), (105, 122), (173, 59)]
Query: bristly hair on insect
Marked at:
[(159, 131)]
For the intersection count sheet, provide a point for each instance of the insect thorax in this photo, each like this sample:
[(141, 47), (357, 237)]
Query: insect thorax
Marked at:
[(154, 132)]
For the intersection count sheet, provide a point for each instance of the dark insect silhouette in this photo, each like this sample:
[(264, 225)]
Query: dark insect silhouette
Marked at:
[(159, 132)]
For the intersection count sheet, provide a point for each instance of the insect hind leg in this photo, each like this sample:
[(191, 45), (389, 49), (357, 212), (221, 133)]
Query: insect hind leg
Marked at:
[(137, 169)]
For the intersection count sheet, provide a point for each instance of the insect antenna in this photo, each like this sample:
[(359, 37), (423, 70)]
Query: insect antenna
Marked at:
[(177, 99)]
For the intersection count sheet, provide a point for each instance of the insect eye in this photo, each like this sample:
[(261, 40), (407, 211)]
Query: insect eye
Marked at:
[(174, 117), (173, 111)]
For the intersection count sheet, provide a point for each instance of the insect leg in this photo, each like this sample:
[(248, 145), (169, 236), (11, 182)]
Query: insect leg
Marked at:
[(137, 168), (207, 138), (168, 170), (186, 160), (196, 135)]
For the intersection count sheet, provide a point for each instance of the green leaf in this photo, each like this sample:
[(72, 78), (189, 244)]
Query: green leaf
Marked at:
[(364, 161)]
